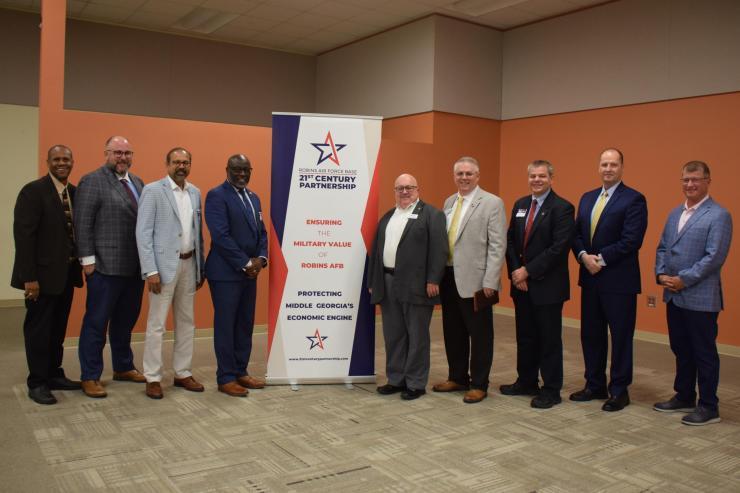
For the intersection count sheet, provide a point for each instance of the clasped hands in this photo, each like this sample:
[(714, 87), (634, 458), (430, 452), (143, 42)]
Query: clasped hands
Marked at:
[(591, 263), (671, 283)]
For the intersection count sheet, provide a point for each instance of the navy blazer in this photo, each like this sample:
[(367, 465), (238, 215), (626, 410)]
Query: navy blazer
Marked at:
[(236, 236), (618, 238), (696, 255)]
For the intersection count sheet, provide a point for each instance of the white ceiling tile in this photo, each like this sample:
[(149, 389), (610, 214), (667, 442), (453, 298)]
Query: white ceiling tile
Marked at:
[(232, 6), (293, 31), (106, 13), (167, 7), (300, 5), (546, 8), (338, 10), (152, 20), (126, 4), (508, 17), (408, 9), (254, 23), (269, 11), (313, 20), (351, 27)]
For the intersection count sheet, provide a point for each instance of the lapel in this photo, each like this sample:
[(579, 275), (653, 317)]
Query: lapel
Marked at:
[(116, 184), (170, 196), (237, 202), (612, 200), (56, 201), (411, 222), (695, 217), (541, 214), (194, 205), (471, 209)]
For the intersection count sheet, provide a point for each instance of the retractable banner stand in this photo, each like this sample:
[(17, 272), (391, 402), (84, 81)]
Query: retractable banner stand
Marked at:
[(324, 211)]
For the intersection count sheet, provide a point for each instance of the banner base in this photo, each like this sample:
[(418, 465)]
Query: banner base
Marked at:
[(320, 381)]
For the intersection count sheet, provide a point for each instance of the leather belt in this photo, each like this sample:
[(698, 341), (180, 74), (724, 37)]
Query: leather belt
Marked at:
[(184, 256), (389, 270)]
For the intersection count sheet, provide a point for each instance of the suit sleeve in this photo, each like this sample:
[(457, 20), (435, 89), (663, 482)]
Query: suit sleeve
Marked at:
[(27, 215), (561, 238), (512, 259), (87, 202), (145, 231), (660, 251), (496, 245), (439, 248), (715, 253), (579, 245), (217, 221), (633, 232)]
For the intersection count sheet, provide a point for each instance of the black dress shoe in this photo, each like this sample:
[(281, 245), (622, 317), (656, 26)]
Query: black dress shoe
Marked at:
[(617, 403), (63, 383), (389, 389), (675, 405), (42, 395), (411, 394), (517, 388), (545, 401), (588, 395)]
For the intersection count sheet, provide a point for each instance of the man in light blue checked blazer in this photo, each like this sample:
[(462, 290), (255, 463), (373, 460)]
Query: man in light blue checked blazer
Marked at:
[(694, 245), (170, 243)]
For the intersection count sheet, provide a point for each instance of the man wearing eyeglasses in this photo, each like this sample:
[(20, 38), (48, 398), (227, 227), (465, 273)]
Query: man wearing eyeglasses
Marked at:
[(168, 235), (692, 250), (407, 262), (105, 229), (237, 256)]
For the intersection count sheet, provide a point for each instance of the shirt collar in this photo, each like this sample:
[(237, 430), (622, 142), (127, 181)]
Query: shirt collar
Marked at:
[(610, 190), (410, 207), (695, 206), (57, 184), (175, 186), (541, 199), (470, 195)]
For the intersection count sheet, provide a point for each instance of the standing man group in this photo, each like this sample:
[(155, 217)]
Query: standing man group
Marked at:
[(476, 231), (407, 262), (539, 238), (170, 242), (105, 229)]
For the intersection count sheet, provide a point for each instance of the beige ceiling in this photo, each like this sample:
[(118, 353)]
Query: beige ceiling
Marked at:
[(300, 26)]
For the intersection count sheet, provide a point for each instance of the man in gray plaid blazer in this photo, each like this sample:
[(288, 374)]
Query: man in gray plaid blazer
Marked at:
[(105, 223), (690, 255), (168, 234)]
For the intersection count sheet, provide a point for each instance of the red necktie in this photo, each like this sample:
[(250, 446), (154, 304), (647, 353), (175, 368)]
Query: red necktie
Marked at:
[(131, 195), (530, 221)]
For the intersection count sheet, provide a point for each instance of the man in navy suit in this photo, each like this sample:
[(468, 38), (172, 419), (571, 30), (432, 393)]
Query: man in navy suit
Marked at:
[(694, 245), (610, 227), (238, 254)]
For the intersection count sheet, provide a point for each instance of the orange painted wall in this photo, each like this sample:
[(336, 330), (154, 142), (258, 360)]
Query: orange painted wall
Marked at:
[(657, 139)]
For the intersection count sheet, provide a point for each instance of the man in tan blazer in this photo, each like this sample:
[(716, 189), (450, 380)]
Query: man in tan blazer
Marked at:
[(476, 229)]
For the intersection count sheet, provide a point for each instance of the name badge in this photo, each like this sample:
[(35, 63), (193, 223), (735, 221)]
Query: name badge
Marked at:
[(260, 213), (521, 213), (413, 216)]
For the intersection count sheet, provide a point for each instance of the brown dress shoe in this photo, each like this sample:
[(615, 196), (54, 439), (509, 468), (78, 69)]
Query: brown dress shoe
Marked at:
[(189, 383), (251, 382), (92, 388), (129, 376), (474, 395), (233, 389), (448, 386), (154, 390)]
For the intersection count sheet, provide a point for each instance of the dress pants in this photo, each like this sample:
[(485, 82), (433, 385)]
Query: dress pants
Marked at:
[(468, 336), (113, 304), (233, 323), (693, 337), (180, 294), (618, 312), (406, 335), (539, 344), (44, 329)]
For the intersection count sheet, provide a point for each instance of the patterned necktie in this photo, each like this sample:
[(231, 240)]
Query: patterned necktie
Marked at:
[(67, 207), (598, 209), (530, 221), (247, 205), (452, 233), (131, 195)]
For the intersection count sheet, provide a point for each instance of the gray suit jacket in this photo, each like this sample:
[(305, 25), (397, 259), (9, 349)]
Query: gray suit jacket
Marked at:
[(481, 243), (696, 255), (420, 257), (158, 230), (105, 223)]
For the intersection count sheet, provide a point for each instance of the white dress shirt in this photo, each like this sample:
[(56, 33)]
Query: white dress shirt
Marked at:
[(393, 233), (688, 212)]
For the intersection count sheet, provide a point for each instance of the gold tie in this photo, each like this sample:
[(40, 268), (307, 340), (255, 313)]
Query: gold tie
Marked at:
[(452, 233), (598, 209)]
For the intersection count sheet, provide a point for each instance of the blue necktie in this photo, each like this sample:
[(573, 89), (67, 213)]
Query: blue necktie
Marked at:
[(248, 206)]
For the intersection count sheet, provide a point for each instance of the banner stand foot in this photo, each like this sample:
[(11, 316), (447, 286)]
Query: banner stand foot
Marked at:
[(348, 386), (295, 387)]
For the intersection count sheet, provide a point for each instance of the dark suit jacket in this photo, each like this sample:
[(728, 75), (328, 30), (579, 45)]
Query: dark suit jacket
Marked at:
[(235, 236), (105, 223), (42, 246), (420, 258), (618, 238), (546, 254)]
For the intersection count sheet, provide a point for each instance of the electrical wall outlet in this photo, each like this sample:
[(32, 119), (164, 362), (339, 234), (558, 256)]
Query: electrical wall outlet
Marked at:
[(651, 301)]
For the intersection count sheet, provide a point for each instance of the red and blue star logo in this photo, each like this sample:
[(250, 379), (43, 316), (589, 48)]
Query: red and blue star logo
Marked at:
[(329, 150), (317, 340)]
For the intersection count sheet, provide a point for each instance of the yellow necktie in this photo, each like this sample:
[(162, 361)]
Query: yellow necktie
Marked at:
[(452, 233), (598, 209)]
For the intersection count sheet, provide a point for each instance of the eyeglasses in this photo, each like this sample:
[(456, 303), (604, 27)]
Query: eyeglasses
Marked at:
[(407, 188), (180, 163), (688, 181), (121, 153), (240, 170)]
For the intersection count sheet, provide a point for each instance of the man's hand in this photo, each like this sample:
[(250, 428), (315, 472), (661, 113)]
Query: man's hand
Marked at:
[(591, 262), (32, 290), (254, 267), (88, 269), (154, 283), (432, 289), (519, 275), (521, 286), (489, 292), (672, 283)]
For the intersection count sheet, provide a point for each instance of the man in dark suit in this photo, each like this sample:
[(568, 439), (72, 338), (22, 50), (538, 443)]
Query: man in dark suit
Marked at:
[(407, 263), (238, 254), (610, 227), (105, 228), (539, 237), (47, 270), (692, 250)]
